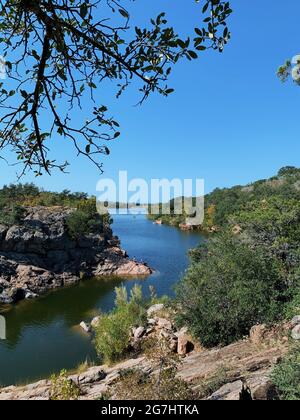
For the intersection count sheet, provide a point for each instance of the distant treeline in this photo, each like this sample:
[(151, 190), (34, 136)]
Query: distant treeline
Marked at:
[(15, 198), (31, 195), (221, 204)]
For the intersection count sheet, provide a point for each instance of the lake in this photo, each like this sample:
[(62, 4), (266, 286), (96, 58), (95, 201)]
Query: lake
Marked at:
[(43, 336)]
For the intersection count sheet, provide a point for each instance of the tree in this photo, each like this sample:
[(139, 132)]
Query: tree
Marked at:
[(60, 51), (290, 69), (228, 288)]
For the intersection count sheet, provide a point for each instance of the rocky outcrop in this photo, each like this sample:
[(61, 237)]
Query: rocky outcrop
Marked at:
[(215, 374), (39, 255)]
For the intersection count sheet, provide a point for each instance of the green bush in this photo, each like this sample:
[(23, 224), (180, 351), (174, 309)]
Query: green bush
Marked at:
[(230, 287), (63, 388), (85, 219), (293, 308), (286, 376), (11, 215), (113, 331)]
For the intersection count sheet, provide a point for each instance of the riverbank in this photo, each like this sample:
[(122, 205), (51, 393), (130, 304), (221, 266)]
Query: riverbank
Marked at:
[(39, 255)]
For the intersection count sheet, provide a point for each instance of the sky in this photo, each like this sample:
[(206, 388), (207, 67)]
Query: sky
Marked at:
[(230, 120)]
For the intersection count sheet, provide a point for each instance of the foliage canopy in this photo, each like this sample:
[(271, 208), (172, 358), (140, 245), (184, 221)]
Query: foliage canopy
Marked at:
[(58, 52)]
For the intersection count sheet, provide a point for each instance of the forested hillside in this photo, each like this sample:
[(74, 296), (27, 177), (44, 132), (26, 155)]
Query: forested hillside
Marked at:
[(248, 272), (221, 204)]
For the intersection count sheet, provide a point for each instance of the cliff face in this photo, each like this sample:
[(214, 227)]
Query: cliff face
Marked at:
[(39, 255)]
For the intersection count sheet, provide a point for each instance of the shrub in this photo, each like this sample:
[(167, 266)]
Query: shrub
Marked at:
[(113, 331), (286, 376), (229, 288), (12, 215), (85, 219), (63, 388)]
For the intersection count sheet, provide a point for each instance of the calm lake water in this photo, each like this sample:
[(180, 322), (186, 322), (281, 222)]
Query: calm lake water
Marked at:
[(43, 335)]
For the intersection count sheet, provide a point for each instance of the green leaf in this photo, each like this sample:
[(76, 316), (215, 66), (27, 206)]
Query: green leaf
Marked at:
[(124, 13), (24, 93), (83, 10), (181, 43), (169, 91), (192, 54)]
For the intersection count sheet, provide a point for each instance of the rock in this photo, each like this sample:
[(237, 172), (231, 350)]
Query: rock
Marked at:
[(151, 321), (90, 377), (266, 391), (150, 330), (296, 320), (173, 345), (138, 332), (85, 327), (95, 321), (257, 334), (186, 226), (155, 308), (182, 344), (183, 330), (166, 334), (5, 298), (163, 323), (30, 295), (296, 332)]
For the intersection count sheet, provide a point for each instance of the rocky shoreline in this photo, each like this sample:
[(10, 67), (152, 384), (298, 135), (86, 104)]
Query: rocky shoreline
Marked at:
[(214, 374), (39, 255)]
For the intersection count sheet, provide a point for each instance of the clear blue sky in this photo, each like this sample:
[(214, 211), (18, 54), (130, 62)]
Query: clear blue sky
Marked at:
[(230, 120)]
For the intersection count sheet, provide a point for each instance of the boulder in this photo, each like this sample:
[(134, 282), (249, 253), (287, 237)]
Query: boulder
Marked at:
[(257, 334), (138, 332), (296, 332), (296, 320), (184, 344), (30, 295), (86, 328), (154, 309), (163, 323), (95, 321), (173, 344), (150, 330), (266, 392)]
